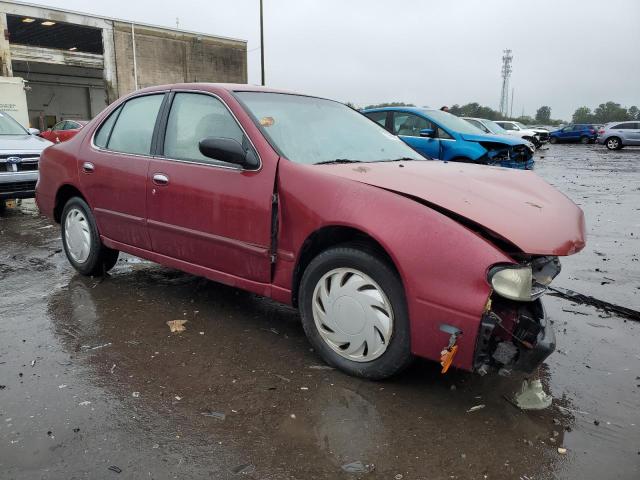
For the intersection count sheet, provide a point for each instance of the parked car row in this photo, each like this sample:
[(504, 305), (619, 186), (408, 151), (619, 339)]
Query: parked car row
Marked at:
[(441, 135), (388, 255)]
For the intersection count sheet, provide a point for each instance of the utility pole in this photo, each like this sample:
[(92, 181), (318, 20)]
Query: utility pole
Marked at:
[(506, 74), (261, 46), (511, 114)]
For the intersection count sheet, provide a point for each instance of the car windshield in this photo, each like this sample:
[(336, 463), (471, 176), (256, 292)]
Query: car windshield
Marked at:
[(8, 126), (451, 122), (494, 127), (314, 130), (524, 127)]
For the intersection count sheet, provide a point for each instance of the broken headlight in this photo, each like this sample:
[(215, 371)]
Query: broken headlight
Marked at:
[(512, 282), (524, 283)]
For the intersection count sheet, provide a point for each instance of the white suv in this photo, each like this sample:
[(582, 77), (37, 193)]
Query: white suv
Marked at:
[(519, 130), (19, 158)]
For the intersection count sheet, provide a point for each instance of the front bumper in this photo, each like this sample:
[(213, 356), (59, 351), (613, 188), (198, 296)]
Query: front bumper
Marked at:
[(530, 359), (18, 184), (513, 336)]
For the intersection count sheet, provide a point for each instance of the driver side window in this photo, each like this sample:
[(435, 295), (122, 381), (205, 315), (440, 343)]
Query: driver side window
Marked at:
[(193, 118)]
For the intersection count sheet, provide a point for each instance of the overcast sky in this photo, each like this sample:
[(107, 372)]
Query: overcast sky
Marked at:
[(566, 53)]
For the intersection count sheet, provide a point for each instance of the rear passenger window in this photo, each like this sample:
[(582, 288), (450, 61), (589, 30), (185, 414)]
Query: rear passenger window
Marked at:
[(193, 118), (134, 126)]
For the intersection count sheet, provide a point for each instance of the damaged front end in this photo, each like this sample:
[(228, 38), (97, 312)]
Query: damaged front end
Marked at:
[(515, 333), (516, 156)]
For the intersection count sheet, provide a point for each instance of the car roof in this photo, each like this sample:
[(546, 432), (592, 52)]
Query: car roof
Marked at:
[(230, 87), (416, 110)]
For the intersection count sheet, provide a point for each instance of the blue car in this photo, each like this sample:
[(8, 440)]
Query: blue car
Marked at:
[(438, 134), (578, 132)]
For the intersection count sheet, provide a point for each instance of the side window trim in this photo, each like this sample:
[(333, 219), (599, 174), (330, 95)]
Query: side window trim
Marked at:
[(162, 133), (115, 120), (160, 128), (117, 111)]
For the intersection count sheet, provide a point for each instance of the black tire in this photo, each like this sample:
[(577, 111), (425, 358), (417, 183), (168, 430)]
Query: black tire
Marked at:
[(613, 143), (397, 355), (585, 140), (101, 259), (553, 140)]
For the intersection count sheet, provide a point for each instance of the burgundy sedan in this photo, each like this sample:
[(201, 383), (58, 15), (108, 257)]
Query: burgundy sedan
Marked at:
[(386, 254)]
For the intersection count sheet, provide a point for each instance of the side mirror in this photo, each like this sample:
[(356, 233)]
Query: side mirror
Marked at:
[(228, 150), (427, 132), (34, 131)]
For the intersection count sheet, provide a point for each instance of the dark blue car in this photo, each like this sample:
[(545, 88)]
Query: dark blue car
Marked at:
[(578, 132), (438, 134)]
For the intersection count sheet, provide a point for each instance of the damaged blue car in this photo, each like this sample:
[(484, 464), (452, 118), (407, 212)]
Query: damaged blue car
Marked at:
[(441, 135)]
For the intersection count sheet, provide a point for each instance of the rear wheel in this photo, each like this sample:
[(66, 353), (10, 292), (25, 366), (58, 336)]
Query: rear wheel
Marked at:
[(613, 143), (553, 140), (585, 140), (354, 313), (81, 240)]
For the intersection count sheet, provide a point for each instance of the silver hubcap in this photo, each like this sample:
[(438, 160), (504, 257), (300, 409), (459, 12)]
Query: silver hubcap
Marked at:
[(352, 314), (77, 235), (613, 143)]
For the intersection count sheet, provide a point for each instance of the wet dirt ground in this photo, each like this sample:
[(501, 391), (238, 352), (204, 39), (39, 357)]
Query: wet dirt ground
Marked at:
[(93, 384)]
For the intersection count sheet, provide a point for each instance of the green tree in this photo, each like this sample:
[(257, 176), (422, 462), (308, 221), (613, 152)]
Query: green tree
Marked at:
[(543, 115), (634, 113), (610, 112), (582, 115)]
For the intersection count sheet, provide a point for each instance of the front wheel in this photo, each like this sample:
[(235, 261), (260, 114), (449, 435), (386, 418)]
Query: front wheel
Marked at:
[(613, 143), (553, 140), (81, 240), (354, 313)]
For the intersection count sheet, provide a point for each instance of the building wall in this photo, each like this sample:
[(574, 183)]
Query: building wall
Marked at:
[(167, 56)]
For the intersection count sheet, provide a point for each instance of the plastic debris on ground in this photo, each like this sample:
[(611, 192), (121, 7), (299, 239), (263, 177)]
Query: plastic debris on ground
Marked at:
[(211, 413), (532, 396), (177, 326), (357, 467), (475, 408)]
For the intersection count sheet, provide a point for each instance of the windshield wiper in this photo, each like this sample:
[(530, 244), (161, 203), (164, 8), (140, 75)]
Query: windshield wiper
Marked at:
[(338, 160)]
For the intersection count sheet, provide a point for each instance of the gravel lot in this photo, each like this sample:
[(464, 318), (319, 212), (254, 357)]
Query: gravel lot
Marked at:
[(93, 385)]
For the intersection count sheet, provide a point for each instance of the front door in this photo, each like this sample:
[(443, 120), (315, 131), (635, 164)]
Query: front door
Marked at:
[(114, 176), (205, 211), (408, 125)]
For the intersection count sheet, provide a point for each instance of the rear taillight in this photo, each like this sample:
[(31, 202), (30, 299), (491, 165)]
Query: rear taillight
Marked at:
[(591, 130), (601, 131)]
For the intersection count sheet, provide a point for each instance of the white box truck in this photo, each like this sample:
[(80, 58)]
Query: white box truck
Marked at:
[(13, 99)]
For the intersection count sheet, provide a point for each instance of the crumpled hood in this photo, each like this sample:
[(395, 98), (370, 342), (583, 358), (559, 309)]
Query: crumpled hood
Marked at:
[(23, 142), (516, 205), (508, 140)]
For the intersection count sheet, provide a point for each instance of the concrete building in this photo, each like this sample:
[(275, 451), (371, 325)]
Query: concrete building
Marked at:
[(75, 64)]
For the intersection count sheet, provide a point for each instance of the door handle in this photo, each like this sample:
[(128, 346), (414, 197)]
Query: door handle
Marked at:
[(88, 167), (160, 179)]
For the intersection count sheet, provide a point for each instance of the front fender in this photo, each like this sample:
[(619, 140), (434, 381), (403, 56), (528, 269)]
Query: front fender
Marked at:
[(443, 264), (462, 149)]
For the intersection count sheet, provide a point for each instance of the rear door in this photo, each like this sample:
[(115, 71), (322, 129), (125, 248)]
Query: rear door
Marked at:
[(408, 125), (205, 211), (114, 176)]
